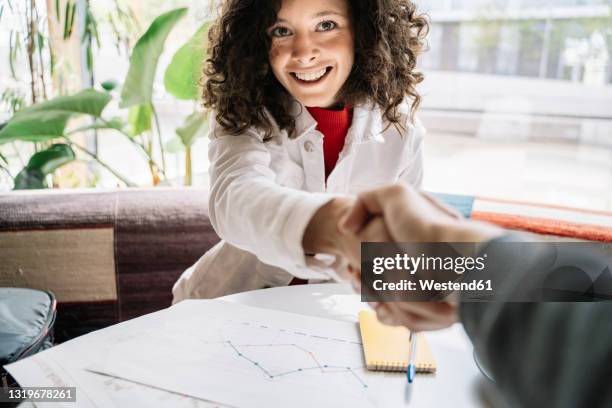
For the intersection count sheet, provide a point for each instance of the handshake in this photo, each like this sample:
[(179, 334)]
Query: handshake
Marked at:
[(553, 336), (396, 213)]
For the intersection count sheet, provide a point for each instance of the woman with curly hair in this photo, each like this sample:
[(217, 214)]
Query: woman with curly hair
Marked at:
[(314, 101)]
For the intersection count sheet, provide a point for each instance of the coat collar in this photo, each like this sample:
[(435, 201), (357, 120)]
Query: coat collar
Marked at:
[(366, 124)]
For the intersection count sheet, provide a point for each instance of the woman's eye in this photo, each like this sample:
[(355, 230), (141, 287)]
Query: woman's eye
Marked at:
[(326, 26), (280, 32)]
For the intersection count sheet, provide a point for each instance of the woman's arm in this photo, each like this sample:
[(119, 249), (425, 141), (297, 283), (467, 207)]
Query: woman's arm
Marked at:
[(251, 211)]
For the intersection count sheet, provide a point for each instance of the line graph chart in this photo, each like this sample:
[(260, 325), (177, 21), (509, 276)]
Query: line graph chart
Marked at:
[(243, 356), (323, 368)]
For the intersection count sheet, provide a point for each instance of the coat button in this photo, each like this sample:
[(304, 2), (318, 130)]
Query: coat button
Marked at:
[(308, 146)]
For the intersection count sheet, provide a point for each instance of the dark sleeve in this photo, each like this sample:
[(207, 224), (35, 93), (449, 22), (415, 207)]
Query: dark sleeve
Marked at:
[(553, 354)]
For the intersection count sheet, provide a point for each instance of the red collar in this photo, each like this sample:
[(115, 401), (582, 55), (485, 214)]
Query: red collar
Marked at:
[(334, 125), (330, 120)]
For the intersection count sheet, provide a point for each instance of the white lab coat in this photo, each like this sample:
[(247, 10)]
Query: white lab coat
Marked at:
[(263, 194)]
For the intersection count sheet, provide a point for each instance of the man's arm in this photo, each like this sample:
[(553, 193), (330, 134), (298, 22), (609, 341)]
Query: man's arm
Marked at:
[(542, 354)]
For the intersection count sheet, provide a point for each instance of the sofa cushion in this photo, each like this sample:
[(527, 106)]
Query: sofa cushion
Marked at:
[(108, 255)]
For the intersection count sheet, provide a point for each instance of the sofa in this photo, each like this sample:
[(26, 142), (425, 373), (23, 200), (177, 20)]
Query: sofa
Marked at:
[(108, 256)]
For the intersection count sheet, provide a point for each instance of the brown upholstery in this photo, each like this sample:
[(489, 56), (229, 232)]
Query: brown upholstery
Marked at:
[(108, 256)]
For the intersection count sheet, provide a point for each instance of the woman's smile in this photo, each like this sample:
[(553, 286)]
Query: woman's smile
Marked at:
[(311, 78)]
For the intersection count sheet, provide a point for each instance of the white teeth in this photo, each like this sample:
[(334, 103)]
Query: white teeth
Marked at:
[(311, 76)]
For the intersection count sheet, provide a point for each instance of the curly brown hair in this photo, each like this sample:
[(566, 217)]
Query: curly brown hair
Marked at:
[(239, 83)]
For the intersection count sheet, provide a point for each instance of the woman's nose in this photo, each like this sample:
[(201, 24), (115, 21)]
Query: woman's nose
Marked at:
[(304, 49)]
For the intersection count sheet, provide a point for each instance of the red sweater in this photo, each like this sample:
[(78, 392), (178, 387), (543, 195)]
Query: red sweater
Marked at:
[(334, 125)]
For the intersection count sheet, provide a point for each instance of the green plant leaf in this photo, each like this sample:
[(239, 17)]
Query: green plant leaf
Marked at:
[(48, 160), (174, 145), (109, 85), (47, 120), (116, 123), (35, 126), (138, 84), (183, 74), (42, 163), (66, 19), (88, 101), (195, 126), (139, 119), (14, 48)]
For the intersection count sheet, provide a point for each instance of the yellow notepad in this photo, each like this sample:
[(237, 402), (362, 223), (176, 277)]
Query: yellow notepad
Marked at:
[(387, 348)]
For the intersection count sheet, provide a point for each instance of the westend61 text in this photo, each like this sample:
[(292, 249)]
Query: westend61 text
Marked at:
[(430, 284)]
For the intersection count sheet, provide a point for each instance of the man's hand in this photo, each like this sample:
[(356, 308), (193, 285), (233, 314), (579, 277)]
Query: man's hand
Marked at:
[(417, 316), (401, 214), (410, 216)]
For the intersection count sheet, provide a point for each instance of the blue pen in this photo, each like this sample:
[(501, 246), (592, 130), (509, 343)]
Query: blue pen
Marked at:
[(411, 371)]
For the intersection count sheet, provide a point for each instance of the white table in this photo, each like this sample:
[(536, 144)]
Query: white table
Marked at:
[(457, 381)]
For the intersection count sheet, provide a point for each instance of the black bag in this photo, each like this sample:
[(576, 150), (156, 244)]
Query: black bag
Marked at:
[(26, 324)]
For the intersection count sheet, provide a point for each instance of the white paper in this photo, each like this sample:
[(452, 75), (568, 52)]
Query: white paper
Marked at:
[(251, 357), (210, 351)]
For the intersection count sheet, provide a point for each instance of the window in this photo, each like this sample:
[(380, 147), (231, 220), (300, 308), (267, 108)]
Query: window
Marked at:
[(518, 100)]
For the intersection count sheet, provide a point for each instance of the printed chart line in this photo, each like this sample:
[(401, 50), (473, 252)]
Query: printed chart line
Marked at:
[(323, 368)]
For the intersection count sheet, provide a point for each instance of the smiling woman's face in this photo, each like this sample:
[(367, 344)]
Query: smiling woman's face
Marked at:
[(312, 49)]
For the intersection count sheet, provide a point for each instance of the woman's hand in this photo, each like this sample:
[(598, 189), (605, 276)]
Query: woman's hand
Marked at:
[(323, 235)]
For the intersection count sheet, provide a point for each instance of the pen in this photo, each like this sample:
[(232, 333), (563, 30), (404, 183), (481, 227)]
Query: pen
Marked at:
[(411, 371)]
